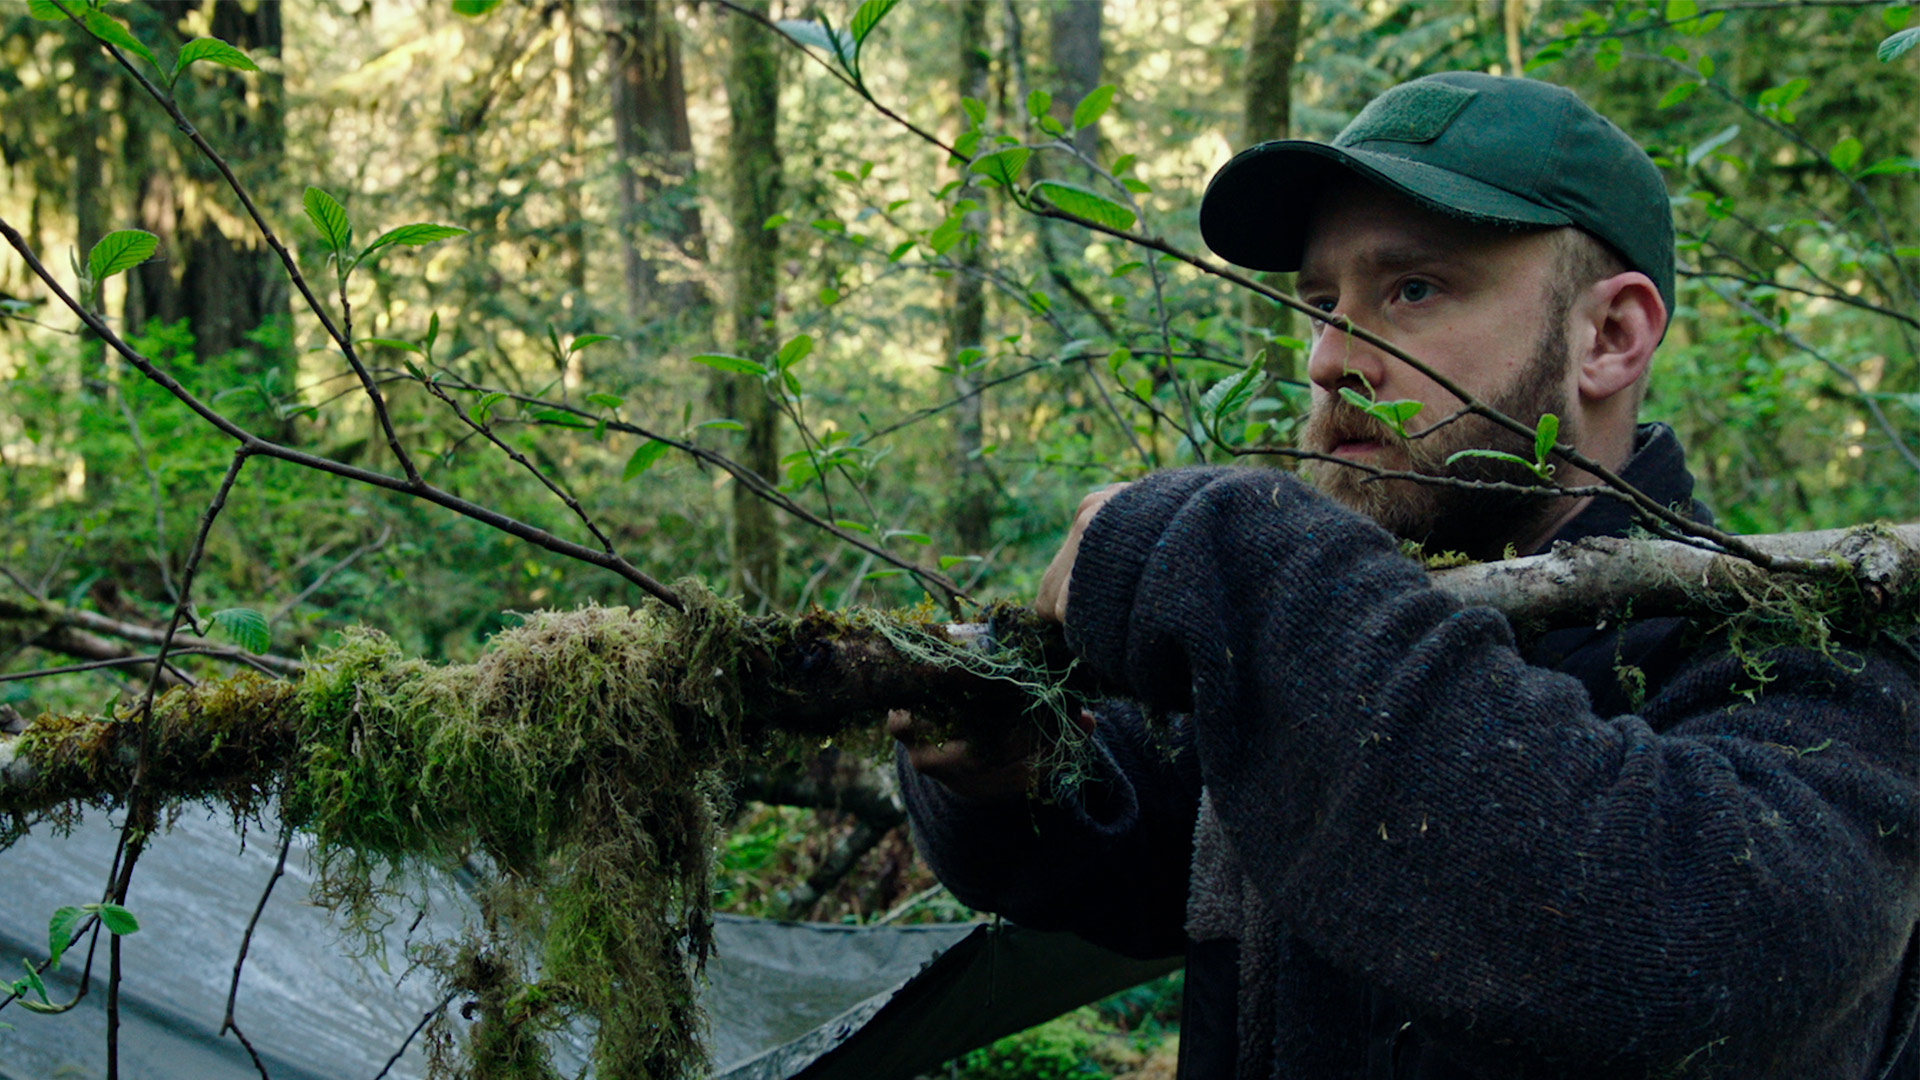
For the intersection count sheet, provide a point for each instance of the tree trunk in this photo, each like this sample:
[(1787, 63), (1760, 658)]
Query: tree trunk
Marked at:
[(1076, 52), (225, 286), (972, 507), (1275, 37), (753, 99), (662, 241)]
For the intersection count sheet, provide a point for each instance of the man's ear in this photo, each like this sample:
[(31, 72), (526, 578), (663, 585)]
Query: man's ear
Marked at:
[(1623, 319)]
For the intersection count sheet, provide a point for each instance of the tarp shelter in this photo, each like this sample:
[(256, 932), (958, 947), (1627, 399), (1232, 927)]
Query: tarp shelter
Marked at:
[(820, 1001)]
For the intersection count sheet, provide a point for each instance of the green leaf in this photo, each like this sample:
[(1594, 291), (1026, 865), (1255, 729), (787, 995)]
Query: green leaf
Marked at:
[(585, 340), (120, 250), (1230, 394), (32, 981), (1496, 455), (1544, 436), (1038, 103), (214, 51), (808, 32), (868, 17), (116, 919), (726, 362), (1093, 106), (829, 296), (900, 251), (1892, 165), (907, 534), (244, 627), (1118, 358), (413, 236), (1003, 165), (723, 424), (60, 933), (1845, 154), (855, 526), (46, 11), (794, 351), (644, 457), (775, 221), (433, 330), (1677, 95), (1083, 203), (330, 218), (393, 343), (948, 562), (1396, 413), (606, 401), (1137, 186), (975, 109), (108, 29), (561, 418), (482, 413), (1896, 46), (473, 9)]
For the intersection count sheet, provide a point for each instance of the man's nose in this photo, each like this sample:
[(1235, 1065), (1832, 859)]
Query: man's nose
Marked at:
[(1340, 359)]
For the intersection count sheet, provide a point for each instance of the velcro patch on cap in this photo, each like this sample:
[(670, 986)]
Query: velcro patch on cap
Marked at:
[(1415, 112)]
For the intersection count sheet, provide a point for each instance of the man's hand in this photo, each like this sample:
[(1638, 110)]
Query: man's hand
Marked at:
[(999, 773), (1052, 601)]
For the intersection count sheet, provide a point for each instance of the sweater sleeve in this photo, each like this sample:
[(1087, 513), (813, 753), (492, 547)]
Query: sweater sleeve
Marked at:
[(1733, 870), (1106, 858)]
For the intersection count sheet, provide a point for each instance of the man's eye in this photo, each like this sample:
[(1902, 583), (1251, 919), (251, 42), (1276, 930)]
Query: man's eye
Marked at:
[(1321, 303), (1415, 290)]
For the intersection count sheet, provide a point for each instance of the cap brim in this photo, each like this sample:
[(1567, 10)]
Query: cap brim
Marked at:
[(1255, 211)]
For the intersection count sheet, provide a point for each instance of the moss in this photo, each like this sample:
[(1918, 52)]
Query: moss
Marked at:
[(580, 759)]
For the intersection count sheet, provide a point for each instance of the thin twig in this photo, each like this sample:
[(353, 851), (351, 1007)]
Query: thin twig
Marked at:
[(246, 941), (415, 1033), (118, 661), (327, 574)]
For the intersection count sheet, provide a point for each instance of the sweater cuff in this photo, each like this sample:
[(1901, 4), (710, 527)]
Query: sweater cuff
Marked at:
[(1113, 554)]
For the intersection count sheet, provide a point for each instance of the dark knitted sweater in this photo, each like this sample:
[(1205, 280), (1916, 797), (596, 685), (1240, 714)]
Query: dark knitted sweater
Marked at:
[(1445, 860)]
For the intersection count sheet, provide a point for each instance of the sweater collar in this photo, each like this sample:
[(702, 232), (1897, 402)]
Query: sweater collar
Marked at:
[(1658, 467)]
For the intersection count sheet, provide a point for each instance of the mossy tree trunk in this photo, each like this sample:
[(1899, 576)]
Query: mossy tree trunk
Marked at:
[(753, 99)]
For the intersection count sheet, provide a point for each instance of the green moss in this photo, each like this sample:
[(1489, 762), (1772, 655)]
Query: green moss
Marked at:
[(580, 760)]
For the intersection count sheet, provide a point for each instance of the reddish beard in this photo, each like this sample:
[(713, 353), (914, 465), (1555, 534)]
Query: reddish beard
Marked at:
[(1478, 522)]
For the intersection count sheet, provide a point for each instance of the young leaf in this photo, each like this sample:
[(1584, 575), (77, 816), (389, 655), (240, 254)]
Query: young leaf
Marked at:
[(393, 343), (60, 933), (1714, 142), (246, 628), (585, 340), (412, 236), (1003, 165), (48, 11), (1892, 165), (108, 29), (644, 457), (560, 418), (214, 51), (1677, 95), (1230, 394), (483, 412), (330, 218), (473, 9), (1845, 154), (975, 109), (120, 250), (907, 534), (723, 424), (1896, 46), (116, 919), (948, 562), (794, 351), (725, 362), (868, 17), (433, 330), (1545, 436), (32, 981), (1038, 102), (1496, 455), (606, 401), (1093, 106), (1083, 203)]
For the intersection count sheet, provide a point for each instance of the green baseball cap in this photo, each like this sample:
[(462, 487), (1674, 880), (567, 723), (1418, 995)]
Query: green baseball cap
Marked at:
[(1511, 152)]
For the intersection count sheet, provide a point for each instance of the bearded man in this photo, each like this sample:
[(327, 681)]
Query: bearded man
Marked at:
[(1390, 839)]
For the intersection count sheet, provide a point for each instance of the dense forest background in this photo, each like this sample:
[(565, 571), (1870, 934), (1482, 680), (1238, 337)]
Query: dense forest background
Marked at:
[(684, 231)]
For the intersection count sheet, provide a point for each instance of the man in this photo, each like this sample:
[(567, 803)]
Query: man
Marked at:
[(1391, 840)]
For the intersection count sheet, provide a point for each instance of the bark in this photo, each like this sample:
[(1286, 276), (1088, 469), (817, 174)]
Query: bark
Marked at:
[(822, 676), (972, 507), (663, 243), (212, 270), (1274, 39), (753, 99), (1076, 53)]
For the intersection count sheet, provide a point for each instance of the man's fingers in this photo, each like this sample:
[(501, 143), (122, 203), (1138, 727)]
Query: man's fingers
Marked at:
[(1056, 583)]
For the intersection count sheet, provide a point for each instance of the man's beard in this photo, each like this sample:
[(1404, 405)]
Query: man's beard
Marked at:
[(1478, 522)]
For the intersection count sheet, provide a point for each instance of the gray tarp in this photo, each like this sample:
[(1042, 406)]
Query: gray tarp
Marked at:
[(822, 1001)]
